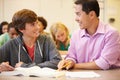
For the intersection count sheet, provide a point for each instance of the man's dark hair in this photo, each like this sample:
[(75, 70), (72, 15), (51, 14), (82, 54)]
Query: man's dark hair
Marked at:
[(22, 17), (43, 21), (89, 5)]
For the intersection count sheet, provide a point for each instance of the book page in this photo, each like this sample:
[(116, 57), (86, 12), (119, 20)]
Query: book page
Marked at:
[(21, 71), (34, 71), (48, 72)]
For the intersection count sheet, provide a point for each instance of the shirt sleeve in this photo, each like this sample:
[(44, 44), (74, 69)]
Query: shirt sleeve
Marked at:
[(71, 51), (110, 54)]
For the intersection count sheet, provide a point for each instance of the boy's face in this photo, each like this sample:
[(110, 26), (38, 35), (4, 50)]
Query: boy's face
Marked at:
[(31, 30), (12, 33)]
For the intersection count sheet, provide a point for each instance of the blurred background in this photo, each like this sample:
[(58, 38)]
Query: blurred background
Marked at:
[(59, 11)]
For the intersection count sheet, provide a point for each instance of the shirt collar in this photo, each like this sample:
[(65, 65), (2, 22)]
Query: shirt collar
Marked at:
[(100, 30)]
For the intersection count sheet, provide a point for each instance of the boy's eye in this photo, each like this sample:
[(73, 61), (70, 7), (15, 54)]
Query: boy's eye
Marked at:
[(34, 23)]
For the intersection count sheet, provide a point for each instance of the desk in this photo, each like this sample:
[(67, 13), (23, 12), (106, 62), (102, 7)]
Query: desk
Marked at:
[(105, 75)]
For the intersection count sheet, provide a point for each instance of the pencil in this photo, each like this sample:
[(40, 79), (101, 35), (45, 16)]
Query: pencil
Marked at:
[(65, 65)]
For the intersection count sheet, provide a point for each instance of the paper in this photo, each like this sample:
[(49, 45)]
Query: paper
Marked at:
[(34, 71), (82, 74)]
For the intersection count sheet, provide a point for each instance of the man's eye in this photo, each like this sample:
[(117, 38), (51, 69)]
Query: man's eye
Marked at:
[(78, 14), (34, 23)]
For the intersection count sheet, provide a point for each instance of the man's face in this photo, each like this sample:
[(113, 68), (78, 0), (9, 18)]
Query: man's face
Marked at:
[(12, 33), (81, 17)]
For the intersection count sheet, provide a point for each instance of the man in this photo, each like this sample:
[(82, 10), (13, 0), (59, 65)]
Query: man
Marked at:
[(96, 45), (29, 48), (12, 33)]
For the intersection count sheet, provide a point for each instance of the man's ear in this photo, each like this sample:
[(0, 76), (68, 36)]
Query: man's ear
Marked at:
[(92, 14)]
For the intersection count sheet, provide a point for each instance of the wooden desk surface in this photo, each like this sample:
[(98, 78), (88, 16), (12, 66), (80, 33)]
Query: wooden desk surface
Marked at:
[(105, 75)]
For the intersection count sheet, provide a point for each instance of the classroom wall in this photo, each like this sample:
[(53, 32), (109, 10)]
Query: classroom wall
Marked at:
[(1, 10), (113, 11), (52, 10), (56, 10)]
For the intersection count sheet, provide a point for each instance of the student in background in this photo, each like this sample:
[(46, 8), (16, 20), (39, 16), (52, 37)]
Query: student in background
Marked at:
[(12, 33), (43, 25), (95, 45), (3, 27), (60, 35), (29, 48)]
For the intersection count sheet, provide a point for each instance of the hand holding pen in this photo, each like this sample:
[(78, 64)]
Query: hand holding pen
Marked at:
[(66, 64)]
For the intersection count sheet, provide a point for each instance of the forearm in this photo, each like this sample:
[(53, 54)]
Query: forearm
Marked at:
[(89, 65)]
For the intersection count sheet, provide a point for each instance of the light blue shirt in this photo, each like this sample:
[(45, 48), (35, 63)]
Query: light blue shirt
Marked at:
[(103, 47)]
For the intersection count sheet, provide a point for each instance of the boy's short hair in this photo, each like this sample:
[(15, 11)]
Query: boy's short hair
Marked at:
[(22, 17)]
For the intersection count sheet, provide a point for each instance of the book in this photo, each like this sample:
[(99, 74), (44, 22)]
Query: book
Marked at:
[(34, 71)]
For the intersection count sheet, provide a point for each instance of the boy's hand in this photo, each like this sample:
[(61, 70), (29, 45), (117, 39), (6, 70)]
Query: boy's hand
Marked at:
[(18, 64), (4, 66)]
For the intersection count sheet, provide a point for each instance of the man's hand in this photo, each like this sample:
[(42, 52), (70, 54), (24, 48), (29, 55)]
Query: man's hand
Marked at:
[(66, 64)]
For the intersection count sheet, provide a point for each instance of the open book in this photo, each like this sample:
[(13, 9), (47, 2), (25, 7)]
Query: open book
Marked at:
[(34, 71), (48, 72)]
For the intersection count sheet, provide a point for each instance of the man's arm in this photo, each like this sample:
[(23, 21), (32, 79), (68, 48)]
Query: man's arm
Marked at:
[(68, 64), (88, 65)]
